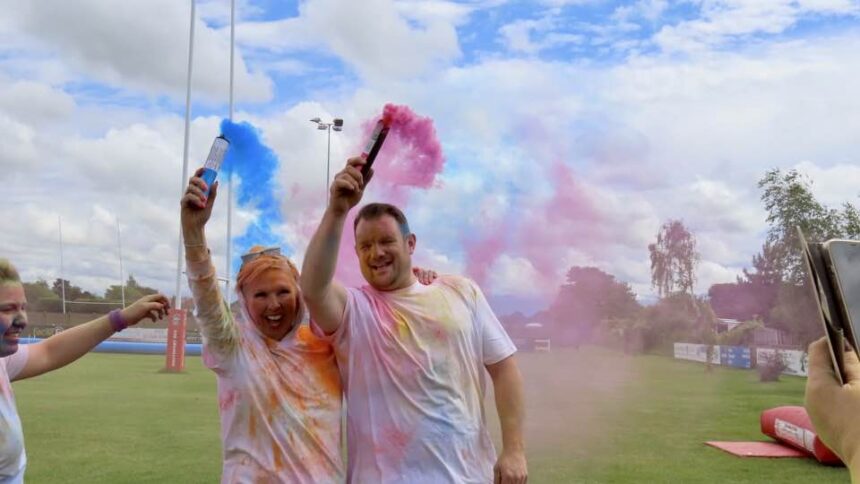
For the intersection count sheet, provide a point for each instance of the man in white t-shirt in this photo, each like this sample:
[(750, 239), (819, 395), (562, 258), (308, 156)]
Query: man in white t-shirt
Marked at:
[(412, 357)]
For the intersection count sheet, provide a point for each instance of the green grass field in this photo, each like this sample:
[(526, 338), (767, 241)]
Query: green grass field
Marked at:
[(593, 416)]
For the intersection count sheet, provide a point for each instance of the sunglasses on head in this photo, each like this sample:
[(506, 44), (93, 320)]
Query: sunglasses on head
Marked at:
[(273, 251)]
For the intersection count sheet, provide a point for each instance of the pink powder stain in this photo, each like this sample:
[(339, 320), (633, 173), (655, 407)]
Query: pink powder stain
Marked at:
[(394, 443), (228, 400)]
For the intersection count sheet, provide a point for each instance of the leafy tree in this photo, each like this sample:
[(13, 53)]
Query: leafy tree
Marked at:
[(673, 259), (133, 291), (766, 270), (37, 290), (850, 221), (39, 295), (795, 312), (754, 294), (73, 293), (670, 320), (588, 299), (789, 202)]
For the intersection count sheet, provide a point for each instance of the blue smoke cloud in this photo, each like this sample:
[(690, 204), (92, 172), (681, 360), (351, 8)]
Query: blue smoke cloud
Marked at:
[(256, 165)]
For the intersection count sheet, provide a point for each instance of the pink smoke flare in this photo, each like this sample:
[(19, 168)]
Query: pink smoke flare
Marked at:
[(410, 159)]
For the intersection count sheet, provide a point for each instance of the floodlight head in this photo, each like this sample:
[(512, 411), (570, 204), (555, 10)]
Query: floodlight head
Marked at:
[(337, 128), (338, 123), (322, 126), (316, 120)]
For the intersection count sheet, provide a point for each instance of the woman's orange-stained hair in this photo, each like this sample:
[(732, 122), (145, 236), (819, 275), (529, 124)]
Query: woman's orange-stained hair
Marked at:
[(254, 268)]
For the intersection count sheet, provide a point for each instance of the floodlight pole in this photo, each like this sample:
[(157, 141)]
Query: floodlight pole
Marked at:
[(336, 125), (328, 163)]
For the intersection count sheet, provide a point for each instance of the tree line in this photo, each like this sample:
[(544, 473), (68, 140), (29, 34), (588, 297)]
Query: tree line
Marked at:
[(594, 306), (42, 296)]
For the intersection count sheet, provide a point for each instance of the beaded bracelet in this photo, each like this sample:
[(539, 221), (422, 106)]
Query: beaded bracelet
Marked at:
[(117, 321)]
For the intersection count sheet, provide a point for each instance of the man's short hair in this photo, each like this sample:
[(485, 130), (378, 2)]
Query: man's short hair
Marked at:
[(8, 273), (373, 211)]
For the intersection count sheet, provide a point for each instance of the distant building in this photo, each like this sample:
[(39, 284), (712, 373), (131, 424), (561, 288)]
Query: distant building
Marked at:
[(531, 336)]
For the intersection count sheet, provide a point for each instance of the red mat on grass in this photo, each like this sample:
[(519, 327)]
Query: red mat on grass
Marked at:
[(757, 449)]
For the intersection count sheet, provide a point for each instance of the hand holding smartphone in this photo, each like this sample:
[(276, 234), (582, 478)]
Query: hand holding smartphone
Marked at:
[(833, 273)]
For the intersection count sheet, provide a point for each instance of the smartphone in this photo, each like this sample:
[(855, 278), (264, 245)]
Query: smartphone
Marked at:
[(843, 265), (829, 314), (374, 144), (213, 161)]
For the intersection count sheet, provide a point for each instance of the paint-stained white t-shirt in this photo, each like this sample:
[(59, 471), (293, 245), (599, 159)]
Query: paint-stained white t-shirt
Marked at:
[(413, 363), (280, 401), (13, 459)]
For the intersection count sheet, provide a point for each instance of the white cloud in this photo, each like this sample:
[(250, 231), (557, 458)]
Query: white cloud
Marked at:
[(533, 36), (565, 3), (650, 10), (722, 21), (35, 103), (136, 47), (374, 37), (515, 276), (709, 273), (836, 184), (20, 150)]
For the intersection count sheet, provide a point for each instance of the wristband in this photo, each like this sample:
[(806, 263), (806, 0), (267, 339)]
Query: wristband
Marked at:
[(117, 321)]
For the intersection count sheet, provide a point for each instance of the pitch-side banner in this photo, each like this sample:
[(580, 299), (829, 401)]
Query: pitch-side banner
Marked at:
[(141, 335), (696, 352), (796, 360)]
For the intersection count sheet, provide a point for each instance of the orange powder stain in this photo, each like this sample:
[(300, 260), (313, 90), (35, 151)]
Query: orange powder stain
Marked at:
[(322, 360), (277, 456), (307, 337), (252, 426), (328, 376), (273, 401), (273, 404)]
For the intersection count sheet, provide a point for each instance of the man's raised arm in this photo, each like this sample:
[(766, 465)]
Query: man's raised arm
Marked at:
[(325, 297)]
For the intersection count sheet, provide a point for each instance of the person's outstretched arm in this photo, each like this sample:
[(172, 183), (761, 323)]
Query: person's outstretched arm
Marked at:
[(325, 297), (63, 348), (216, 323), (510, 404), (833, 408)]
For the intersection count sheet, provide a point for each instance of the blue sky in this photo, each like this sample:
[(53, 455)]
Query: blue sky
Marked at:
[(571, 129)]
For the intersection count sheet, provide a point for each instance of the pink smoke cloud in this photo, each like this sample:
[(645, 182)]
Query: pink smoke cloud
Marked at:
[(539, 231)]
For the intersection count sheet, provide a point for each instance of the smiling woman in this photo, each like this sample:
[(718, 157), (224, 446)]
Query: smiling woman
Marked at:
[(55, 352), (279, 391)]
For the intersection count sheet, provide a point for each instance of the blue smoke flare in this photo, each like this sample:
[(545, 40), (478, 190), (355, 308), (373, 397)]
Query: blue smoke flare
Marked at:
[(256, 165)]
